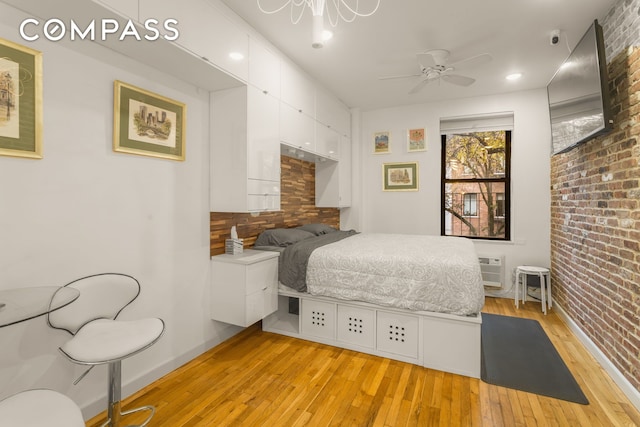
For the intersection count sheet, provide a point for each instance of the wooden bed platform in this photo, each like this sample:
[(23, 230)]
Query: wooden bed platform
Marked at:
[(438, 341)]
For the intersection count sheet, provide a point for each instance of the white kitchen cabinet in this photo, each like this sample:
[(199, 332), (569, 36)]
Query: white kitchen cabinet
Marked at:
[(244, 287), (333, 179), (297, 90), (296, 128), (245, 151), (264, 69), (203, 31)]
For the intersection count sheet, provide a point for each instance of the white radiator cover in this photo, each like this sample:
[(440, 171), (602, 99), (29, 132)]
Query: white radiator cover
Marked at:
[(492, 268)]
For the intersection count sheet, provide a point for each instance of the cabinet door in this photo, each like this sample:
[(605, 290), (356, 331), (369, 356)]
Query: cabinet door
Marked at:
[(297, 90), (327, 141), (263, 149), (344, 183), (297, 129), (263, 195), (264, 69), (203, 31), (333, 113), (333, 179)]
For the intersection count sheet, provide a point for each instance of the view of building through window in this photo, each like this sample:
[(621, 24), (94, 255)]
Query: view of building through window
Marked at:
[(475, 184)]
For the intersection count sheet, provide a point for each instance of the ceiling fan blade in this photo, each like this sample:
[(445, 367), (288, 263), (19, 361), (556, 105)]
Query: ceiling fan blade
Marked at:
[(458, 80), (473, 61), (417, 88), (403, 76)]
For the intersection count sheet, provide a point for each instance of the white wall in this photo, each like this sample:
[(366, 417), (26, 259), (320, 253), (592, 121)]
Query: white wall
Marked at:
[(419, 212), (85, 209)]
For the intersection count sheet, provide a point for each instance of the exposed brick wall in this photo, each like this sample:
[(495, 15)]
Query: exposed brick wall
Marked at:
[(621, 27), (595, 226), (297, 201)]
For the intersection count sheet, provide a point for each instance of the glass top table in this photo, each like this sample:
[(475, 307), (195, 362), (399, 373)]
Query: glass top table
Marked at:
[(20, 304)]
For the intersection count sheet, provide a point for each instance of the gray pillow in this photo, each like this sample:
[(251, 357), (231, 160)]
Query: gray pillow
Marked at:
[(317, 229), (282, 237)]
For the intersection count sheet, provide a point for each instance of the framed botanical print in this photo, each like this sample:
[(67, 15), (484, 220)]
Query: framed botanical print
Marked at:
[(400, 176), (148, 124), (416, 140), (20, 101)]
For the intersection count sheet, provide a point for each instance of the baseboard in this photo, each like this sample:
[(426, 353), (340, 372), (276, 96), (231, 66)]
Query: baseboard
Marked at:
[(132, 385), (627, 388)]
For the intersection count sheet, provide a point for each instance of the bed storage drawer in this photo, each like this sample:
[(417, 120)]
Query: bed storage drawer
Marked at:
[(318, 319), (397, 334), (460, 355), (356, 326)]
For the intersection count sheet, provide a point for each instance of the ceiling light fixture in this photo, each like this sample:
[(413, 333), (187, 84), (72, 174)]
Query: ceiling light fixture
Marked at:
[(335, 10), (514, 76)]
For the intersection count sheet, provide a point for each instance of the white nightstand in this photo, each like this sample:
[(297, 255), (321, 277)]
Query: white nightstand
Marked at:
[(244, 286)]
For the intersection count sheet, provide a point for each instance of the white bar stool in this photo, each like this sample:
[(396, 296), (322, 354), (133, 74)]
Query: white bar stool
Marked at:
[(40, 408), (544, 276)]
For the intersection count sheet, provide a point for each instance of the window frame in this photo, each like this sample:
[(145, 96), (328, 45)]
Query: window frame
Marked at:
[(506, 179)]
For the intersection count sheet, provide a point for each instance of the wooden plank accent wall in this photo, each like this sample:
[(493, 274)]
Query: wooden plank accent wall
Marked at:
[(297, 201)]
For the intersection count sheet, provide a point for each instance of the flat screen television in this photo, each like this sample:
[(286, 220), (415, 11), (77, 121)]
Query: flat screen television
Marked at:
[(578, 94)]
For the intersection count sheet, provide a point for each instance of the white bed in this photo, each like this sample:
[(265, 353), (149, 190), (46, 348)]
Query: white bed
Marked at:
[(428, 273), (406, 297)]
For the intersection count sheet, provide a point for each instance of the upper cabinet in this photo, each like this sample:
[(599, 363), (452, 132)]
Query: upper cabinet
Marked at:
[(245, 151), (297, 129), (203, 31), (264, 69), (333, 179), (297, 90), (332, 113), (327, 141)]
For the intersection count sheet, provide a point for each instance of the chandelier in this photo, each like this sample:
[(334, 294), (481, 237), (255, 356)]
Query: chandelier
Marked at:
[(335, 10)]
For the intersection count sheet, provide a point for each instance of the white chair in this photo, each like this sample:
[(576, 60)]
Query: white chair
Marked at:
[(40, 408), (544, 276), (98, 338)]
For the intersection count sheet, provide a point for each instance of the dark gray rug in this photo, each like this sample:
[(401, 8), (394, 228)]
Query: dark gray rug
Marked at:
[(518, 354)]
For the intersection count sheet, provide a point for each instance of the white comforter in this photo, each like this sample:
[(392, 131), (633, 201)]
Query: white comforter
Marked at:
[(430, 273)]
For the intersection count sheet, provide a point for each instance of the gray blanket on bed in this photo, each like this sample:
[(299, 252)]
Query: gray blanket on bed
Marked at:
[(293, 261)]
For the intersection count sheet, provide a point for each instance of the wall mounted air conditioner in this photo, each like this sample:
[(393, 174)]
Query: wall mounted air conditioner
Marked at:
[(492, 268)]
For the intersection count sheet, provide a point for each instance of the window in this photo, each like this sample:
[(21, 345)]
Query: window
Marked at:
[(475, 184), (470, 204), (500, 205)]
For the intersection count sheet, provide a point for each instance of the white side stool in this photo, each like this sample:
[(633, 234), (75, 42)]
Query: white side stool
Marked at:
[(40, 408), (543, 274)]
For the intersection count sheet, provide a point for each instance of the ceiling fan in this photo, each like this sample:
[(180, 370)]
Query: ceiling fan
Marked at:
[(433, 66)]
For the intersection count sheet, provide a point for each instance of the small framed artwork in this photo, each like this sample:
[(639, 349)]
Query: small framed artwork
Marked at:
[(400, 176), (20, 101), (147, 124), (416, 140), (381, 142)]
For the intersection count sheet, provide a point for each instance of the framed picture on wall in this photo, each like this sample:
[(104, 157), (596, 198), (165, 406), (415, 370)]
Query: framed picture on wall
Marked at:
[(20, 101), (148, 124), (400, 176), (416, 140), (381, 141)]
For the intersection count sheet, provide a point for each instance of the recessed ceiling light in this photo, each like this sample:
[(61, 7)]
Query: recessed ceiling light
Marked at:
[(514, 76), (327, 35), (236, 56)]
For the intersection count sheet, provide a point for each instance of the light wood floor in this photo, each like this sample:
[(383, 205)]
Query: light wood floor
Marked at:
[(263, 379)]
